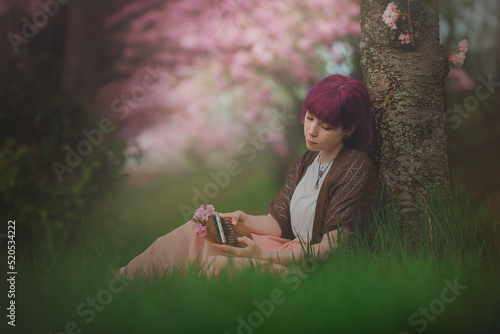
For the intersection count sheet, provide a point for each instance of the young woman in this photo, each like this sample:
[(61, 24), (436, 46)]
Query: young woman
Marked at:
[(329, 192)]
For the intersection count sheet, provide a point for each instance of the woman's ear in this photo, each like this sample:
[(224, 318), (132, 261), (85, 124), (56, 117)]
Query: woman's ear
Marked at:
[(351, 129)]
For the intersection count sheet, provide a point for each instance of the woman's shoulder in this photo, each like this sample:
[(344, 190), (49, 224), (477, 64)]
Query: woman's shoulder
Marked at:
[(354, 163), (355, 167), (355, 158)]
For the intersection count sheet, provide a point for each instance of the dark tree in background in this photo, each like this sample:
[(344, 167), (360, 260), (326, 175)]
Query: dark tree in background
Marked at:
[(406, 83), (51, 173), (84, 47)]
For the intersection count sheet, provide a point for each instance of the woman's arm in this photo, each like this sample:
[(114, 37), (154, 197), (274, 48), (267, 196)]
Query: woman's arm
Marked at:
[(257, 224), (320, 250)]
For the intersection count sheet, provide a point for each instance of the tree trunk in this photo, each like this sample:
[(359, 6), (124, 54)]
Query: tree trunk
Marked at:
[(406, 83), (84, 47)]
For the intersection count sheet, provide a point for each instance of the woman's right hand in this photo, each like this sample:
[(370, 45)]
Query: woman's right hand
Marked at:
[(237, 216), (256, 224)]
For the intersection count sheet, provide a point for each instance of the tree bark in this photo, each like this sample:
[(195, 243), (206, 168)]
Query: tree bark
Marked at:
[(84, 48), (406, 84)]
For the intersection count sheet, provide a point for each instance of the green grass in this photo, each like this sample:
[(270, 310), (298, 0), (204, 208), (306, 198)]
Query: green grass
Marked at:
[(371, 285)]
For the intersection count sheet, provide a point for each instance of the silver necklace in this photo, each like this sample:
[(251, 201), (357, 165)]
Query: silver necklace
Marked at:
[(321, 171)]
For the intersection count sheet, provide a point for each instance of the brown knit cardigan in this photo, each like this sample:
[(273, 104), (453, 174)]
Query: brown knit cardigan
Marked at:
[(349, 194)]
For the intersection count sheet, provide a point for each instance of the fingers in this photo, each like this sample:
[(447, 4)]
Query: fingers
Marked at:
[(251, 249), (247, 241), (221, 247), (230, 250), (235, 216)]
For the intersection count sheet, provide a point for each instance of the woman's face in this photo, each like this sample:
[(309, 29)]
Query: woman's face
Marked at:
[(321, 137)]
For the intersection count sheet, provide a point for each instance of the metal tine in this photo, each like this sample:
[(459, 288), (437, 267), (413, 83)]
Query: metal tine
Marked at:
[(231, 233)]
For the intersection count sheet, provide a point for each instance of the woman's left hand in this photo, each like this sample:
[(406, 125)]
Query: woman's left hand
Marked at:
[(251, 250)]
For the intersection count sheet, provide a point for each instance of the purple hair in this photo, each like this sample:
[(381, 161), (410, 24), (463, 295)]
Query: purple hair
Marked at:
[(341, 101)]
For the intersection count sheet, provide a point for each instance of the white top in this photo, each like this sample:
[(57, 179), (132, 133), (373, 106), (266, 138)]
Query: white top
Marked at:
[(303, 202)]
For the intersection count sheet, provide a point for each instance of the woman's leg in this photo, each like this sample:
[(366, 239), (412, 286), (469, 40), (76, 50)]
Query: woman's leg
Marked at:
[(183, 247), (164, 255)]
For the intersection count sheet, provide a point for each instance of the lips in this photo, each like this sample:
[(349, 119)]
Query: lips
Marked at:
[(310, 142)]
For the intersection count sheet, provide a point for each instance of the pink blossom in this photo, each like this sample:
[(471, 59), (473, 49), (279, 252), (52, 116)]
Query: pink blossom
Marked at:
[(404, 38), (459, 80), (392, 6), (210, 210), (203, 214), (457, 59), (202, 231), (461, 58), (463, 46), (279, 144), (391, 15), (196, 226), (199, 213), (199, 229), (226, 46)]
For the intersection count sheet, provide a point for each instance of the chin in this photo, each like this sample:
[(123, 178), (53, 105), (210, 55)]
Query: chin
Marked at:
[(311, 148)]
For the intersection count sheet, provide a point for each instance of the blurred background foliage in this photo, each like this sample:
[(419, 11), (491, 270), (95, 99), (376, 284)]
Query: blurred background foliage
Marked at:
[(226, 67), (473, 148), (38, 123)]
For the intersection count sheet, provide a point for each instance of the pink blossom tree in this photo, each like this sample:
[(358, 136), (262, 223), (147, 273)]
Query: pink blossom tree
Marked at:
[(406, 83), (224, 68), (189, 76)]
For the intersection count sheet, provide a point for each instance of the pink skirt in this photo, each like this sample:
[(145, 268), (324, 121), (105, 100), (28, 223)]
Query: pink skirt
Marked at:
[(183, 248)]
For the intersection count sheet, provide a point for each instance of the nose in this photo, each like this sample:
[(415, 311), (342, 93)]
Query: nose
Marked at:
[(312, 131)]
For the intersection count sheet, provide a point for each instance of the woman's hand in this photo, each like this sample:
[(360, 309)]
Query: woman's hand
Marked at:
[(266, 225), (237, 216), (251, 250)]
